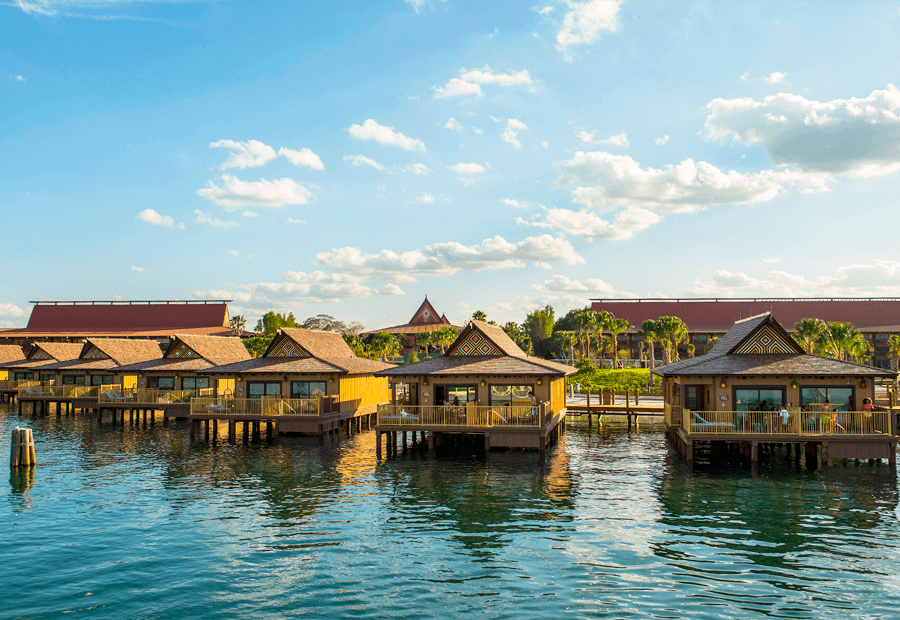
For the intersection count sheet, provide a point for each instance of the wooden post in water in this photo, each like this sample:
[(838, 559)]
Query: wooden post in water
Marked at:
[(21, 453)]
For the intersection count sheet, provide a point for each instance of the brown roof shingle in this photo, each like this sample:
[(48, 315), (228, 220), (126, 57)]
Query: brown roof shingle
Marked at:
[(11, 353)]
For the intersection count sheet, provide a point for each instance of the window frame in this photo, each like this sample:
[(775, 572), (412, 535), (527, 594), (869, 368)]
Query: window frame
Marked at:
[(250, 385), (511, 402), (773, 388), (851, 387)]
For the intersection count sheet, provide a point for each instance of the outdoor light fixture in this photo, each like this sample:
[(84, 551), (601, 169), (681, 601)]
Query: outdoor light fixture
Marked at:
[(793, 385), (482, 382), (862, 384), (539, 382), (722, 384)]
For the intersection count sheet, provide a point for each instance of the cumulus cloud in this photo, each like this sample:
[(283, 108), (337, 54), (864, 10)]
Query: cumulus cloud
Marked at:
[(418, 169), (509, 202), (247, 213), (858, 137), (291, 220), (446, 259), (604, 181), (392, 289), (619, 140), (11, 310), (371, 130), (234, 253), (591, 286), (249, 154), (470, 81), (235, 193), (590, 226), (362, 160), (303, 157), (138, 269), (453, 124), (584, 21), (17, 78), (511, 133), (477, 131), (876, 278), (424, 198), (661, 141), (776, 77), (157, 219), (462, 168), (206, 218)]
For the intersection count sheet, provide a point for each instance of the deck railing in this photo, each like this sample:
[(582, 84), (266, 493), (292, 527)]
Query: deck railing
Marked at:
[(798, 422), (55, 390), (15, 384), (468, 415), (274, 406), (149, 396), (673, 414)]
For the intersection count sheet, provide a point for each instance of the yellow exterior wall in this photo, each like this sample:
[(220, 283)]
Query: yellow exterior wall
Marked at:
[(224, 386), (551, 389), (557, 394), (4, 375), (357, 391), (715, 389), (129, 381)]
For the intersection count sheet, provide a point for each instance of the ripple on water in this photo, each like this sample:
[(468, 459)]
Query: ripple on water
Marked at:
[(138, 523)]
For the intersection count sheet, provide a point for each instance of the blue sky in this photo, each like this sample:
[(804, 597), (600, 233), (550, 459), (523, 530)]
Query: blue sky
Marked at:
[(349, 158)]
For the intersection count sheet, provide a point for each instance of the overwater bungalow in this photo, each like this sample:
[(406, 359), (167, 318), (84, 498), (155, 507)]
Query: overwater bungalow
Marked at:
[(307, 382), (482, 387), (32, 370), (9, 353), (169, 383), (78, 382), (758, 386)]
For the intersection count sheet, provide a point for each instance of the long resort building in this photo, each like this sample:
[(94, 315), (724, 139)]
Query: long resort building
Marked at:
[(482, 388), (758, 386)]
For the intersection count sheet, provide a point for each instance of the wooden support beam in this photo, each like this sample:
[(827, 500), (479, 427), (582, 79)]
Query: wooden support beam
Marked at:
[(377, 444)]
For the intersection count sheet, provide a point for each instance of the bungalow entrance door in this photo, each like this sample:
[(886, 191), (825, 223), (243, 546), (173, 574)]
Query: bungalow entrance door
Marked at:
[(695, 397)]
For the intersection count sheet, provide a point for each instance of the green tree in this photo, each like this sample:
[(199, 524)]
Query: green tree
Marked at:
[(271, 322), (615, 327), (649, 331), (356, 343), (444, 337), (563, 344), (424, 340), (691, 350), (585, 321), (809, 333), (894, 352), (384, 344), (327, 323), (538, 326), (671, 331), (257, 345), (711, 343), (478, 315), (238, 323)]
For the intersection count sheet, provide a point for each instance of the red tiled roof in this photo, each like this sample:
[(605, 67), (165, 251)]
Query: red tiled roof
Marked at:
[(136, 316), (719, 315)]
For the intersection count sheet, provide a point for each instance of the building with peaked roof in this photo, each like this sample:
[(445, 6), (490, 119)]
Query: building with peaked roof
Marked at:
[(876, 318), (425, 319), (304, 366), (738, 390), (75, 321), (9, 353), (100, 357), (482, 385), (41, 355)]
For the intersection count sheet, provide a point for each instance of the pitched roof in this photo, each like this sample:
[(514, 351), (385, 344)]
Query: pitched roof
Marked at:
[(113, 352), (425, 319), (204, 352), (57, 352), (11, 353), (718, 315), (737, 354)]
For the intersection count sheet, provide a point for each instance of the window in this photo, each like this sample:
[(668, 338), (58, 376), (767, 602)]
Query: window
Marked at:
[(23, 376), (453, 394), (510, 395), (307, 389), (258, 389), (840, 397), (194, 383), (102, 380), (73, 379), (758, 399), (161, 383)]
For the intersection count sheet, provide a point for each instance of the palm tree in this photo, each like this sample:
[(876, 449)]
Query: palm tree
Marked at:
[(894, 351), (711, 343), (835, 340), (615, 327), (602, 319), (585, 321), (238, 323), (691, 349), (650, 333), (444, 337), (478, 315), (385, 344), (424, 340), (569, 339), (672, 331), (858, 348), (809, 332)]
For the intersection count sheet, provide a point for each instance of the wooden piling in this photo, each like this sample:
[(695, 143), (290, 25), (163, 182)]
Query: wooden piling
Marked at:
[(21, 453)]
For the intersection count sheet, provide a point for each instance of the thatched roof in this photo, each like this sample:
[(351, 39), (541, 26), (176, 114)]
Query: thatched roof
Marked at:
[(59, 351), (11, 353), (216, 349)]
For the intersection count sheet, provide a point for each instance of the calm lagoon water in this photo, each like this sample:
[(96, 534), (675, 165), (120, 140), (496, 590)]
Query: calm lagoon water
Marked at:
[(138, 523)]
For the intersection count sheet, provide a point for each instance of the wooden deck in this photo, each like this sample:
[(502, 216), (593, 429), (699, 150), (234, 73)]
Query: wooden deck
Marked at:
[(516, 426)]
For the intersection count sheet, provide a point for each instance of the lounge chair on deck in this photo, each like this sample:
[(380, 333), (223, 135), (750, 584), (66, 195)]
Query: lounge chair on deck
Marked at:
[(698, 423), (403, 416), (113, 396)]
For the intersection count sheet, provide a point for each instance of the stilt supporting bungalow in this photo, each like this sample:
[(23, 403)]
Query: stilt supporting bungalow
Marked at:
[(758, 388)]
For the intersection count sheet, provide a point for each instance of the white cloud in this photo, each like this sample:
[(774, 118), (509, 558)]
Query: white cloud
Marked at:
[(247, 213), (236, 194), (38, 6), (445, 259), (545, 10), (424, 198), (661, 141), (235, 253), (303, 157), (859, 137), (418, 169), (157, 219), (470, 81), (291, 220), (138, 269), (371, 130), (584, 22), (776, 77), (619, 140), (509, 202), (562, 284), (249, 154), (206, 218), (453, 124), (392, 289), (362, 160), (590, 226), (511, 133), (495, 119), (17, 78), (604, 181), (477, 131), (462, 168), (771, 260), (11, 310)]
